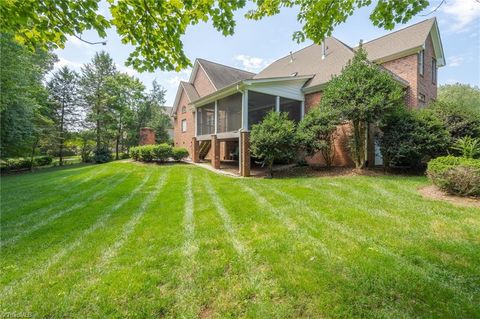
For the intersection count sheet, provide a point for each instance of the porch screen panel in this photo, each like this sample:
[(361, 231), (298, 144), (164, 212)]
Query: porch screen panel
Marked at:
[(292, 107), (229, 113), (259, 104), (206, 119)]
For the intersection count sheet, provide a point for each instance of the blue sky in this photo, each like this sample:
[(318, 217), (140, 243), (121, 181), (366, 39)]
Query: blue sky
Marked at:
[(257, 43)]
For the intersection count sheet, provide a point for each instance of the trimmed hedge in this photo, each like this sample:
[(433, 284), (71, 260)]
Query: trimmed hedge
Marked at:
[(456, 175), (157, 153), (23, 163)]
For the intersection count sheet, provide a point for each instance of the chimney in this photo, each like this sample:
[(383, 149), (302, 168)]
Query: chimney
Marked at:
[(324, 50), (291, 57)]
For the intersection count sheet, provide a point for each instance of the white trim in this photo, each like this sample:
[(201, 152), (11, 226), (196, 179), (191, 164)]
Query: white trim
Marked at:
[(437, 45), (277, 104), (245, 110), (302, 110), (215, 121), (195, 119)]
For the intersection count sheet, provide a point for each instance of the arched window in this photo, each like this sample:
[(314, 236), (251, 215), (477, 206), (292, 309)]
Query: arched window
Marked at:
[(184, 109)]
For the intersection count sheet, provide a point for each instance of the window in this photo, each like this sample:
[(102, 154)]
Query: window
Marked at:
[(259, 104), (206, 119), (421, 60), (292, 107), (421, 97), (184, 109), (184, 126), (434, 71)]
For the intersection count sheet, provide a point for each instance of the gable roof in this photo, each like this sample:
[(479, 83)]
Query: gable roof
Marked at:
[(223, 75), (404, 42), (309, 61), (190, 90)]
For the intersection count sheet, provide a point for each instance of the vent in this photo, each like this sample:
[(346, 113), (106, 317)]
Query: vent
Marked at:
[(294, 74)]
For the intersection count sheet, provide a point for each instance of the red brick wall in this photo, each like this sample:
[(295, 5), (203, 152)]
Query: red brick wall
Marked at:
[(184, 139), (342, 157), (312, 100), (147, 136), (407, 68), (202, 84), (425, 84)]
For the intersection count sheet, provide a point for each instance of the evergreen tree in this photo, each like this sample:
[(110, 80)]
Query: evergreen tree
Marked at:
[(63, 92)]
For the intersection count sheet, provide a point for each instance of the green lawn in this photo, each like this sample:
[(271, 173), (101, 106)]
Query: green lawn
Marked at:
[(176, 241)]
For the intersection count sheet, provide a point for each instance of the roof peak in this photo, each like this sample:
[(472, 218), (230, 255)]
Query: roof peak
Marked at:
[(402, 29), (200, 60)]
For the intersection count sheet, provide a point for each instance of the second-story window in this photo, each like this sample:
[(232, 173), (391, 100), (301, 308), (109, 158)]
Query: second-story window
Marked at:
[(421, 60), (184, 126), (184, 109), (434, 71)]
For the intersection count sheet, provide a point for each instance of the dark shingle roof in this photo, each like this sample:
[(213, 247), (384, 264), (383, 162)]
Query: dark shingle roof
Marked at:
[(192, 94), (223, 75)]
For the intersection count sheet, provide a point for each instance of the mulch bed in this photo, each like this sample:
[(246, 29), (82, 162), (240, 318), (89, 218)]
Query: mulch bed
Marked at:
[(433, 192)]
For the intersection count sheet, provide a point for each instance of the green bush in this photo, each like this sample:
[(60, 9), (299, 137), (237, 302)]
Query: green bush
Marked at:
[(456, 175), (467, 147), (102, 155), (179, 153), (162, 152), (146, 153), (411, 138), (42, 160), (274, 140), (22, 163)]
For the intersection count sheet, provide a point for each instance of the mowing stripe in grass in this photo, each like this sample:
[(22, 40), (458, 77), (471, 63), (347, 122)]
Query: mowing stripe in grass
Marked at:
[(257, 278), (100, 223), (227, 221), (59, 214), (286, 221), (112, 251), (454, 285), (23, 219), (188, 307)]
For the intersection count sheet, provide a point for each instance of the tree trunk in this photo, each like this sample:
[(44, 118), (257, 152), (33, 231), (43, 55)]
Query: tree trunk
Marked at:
[(34, 146), (60, 161)]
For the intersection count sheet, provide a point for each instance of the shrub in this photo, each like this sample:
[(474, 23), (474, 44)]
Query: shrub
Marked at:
[(102, 155), (179, 153), (146, 153), (458, 120), (467, 146), (42, 160), (316, 133), (135, 152), (274, 139), (162, 152), (456, 175), (411, 138)]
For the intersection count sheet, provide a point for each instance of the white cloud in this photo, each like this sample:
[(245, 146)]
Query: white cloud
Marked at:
[(250, 63), (174, 78), (126, 69), (64, 62), (455, 60), (464, 12)]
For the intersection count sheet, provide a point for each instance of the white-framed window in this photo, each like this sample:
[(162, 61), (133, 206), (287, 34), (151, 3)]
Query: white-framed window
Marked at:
[(184, 126), (184, 109), (421, 62), (434, 71)]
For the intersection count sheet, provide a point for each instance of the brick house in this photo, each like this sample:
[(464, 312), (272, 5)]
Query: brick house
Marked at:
[(214, 111)]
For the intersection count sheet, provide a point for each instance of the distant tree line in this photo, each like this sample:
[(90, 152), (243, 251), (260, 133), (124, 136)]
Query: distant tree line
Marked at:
[(96, 113)]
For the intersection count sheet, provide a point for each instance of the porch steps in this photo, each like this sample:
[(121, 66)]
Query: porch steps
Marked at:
[(204, 148)]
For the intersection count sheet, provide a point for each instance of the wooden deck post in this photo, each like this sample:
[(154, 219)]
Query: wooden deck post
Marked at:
[(244, 153), (195, 150)]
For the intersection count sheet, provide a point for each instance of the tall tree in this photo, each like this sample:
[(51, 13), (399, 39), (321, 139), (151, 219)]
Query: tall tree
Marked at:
[(63, 90), (95, 93), (22, 97), (126, 94), (155, 28), (363, 93), (159, 116)]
